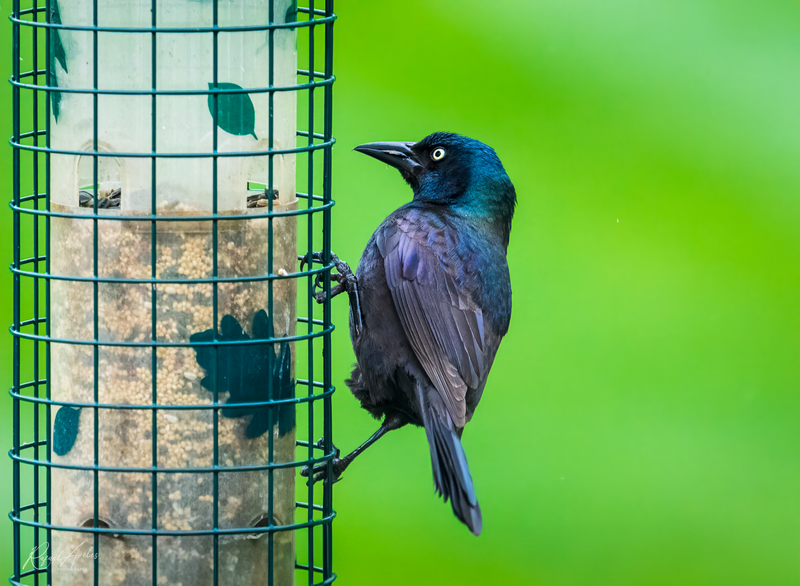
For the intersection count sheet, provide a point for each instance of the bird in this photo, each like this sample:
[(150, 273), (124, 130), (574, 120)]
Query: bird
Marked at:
[(430, 302)]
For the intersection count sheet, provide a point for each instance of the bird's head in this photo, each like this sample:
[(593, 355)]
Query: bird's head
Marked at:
[(450, 169)]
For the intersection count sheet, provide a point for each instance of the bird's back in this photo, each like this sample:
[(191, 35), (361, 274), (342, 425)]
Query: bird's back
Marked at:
[(459, 269)]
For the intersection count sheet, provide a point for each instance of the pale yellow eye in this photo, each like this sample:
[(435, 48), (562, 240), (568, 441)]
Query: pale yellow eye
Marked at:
[(438, 154)]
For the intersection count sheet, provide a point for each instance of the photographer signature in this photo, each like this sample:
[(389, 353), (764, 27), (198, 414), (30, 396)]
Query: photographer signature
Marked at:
[(40, 557)]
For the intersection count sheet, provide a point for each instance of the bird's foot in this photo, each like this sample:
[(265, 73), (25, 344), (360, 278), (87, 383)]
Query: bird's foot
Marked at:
[(320, 471), (345, 279)]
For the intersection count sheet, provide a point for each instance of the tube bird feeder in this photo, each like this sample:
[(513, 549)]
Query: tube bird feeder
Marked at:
[(157, 252)]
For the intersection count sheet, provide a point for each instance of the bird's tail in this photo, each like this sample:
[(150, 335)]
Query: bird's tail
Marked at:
[(450, 471)]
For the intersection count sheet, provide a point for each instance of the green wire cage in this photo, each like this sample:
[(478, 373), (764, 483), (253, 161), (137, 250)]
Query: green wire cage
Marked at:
[(172, 165)]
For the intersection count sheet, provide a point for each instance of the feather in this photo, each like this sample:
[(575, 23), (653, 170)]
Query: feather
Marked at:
[(435, 306)]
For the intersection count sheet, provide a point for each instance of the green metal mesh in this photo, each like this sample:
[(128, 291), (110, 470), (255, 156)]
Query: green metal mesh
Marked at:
[(35, 95)]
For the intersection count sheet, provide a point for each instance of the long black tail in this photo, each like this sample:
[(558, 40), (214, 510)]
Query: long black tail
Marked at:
[(450, 471)]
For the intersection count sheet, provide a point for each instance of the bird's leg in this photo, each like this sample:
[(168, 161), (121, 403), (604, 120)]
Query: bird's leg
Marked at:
[(345, 279), (320, 471)]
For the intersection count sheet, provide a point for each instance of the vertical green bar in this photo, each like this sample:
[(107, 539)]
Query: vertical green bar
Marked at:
[(270, 310), (48, 327), (215, 291), (35, 218), (96, 297), (327, 502), (310, 202), (16, 244), (153, 295)]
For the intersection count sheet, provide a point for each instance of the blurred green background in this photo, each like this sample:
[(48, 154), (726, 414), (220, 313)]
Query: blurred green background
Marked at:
[(641, 425)]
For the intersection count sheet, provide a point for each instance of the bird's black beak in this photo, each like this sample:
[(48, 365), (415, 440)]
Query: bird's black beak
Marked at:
[(397, 154)]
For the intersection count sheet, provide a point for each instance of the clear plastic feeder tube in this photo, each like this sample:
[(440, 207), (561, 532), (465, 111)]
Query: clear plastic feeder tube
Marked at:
[(167, 455)]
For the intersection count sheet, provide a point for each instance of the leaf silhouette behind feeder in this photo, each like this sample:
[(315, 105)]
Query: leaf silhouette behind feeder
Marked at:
[(65, 429), (242, 370), (236, 113), (57, 53), (291, 13)]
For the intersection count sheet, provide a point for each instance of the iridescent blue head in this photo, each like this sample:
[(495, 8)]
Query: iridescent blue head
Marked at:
[(449, 169)]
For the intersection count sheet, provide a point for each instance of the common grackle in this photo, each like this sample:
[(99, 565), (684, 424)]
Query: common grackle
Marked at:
[(430, 302)]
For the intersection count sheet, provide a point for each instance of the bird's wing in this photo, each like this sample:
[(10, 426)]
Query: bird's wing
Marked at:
[(431, 288)]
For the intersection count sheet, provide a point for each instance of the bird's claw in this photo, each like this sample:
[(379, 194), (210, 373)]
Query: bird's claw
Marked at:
[(309, 258), (345, 278), (320, 471)]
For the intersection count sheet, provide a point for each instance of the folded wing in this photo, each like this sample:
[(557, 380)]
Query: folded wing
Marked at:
[(431, 291)]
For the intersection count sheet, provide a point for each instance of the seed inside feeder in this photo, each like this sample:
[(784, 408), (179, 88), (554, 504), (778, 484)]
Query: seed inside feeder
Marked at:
[(131, 315)]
